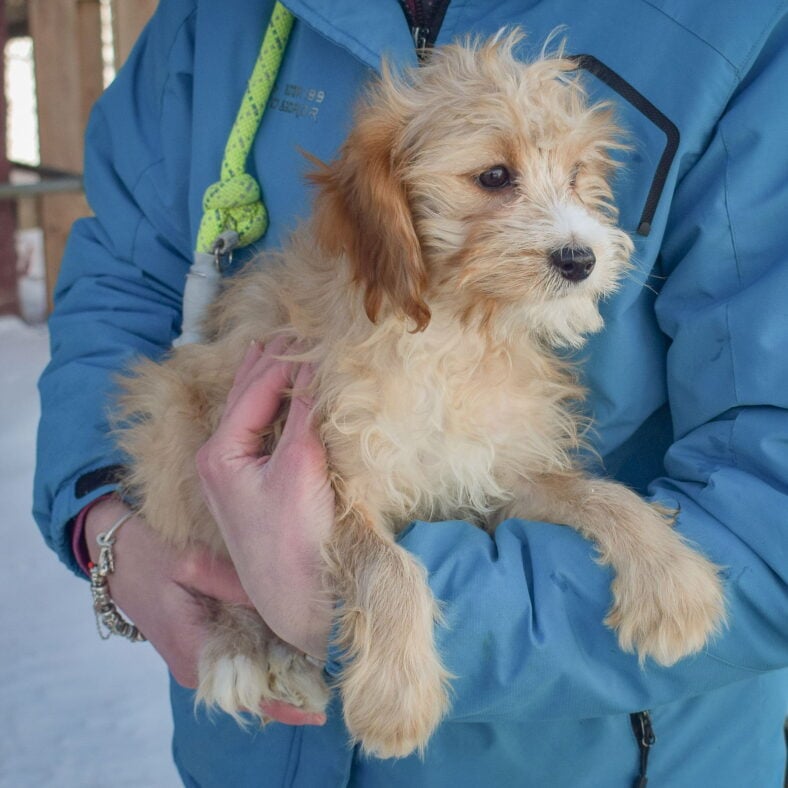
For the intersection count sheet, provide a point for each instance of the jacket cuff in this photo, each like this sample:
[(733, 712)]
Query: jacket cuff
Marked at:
[(70, 502), (79, 546)]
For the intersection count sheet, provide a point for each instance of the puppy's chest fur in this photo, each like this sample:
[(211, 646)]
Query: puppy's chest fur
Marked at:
[(444, 424)]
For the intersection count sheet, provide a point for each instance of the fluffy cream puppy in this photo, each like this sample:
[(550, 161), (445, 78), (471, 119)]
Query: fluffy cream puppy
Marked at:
[(463, 234)]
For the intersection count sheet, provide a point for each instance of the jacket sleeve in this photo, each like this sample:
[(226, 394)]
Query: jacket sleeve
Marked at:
[(121, 279), (524, 609)]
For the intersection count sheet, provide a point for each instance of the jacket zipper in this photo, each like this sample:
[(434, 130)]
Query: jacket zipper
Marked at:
[(424, 25), (644, 735), (420, 29)]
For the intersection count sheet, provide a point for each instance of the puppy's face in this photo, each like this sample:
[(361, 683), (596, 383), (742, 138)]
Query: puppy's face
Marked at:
[(479, 187)]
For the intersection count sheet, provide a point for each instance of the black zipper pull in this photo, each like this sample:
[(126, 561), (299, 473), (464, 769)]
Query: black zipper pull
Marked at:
[(644, 735), (421, 38), (425, 18)]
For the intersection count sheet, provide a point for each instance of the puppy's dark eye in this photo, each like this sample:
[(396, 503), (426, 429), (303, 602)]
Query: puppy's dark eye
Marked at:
[(495, 178)]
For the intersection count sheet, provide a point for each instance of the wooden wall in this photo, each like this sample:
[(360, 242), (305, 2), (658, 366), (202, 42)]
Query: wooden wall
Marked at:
[(69, 78), (8, 296), (128, 18)]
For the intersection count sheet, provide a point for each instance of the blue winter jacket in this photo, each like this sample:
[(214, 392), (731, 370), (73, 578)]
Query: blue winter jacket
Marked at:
[(688, 380)]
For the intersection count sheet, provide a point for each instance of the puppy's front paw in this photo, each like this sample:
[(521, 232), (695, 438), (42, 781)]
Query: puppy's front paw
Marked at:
[(669, 607), (393, 704)]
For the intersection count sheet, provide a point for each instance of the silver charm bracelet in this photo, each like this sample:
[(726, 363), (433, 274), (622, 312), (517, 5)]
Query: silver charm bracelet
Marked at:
[(109, 620)]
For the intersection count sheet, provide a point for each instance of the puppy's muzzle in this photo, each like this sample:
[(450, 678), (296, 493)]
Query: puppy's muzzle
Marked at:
[(574, 263)]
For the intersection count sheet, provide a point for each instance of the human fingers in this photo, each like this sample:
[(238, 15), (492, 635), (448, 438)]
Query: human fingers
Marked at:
[(252, 410), (299, 460), (290, 715), (256, 360), (208, 574), (298, 425), (253, 353)]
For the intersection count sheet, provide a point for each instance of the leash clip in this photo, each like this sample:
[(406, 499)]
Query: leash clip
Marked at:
[(223, 247)]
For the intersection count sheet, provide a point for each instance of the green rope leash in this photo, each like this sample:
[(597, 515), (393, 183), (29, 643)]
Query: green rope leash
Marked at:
[(234, 203), (233, 210)]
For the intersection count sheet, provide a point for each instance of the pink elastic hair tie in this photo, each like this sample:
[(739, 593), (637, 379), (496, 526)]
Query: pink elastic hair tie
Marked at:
[(79, 545)]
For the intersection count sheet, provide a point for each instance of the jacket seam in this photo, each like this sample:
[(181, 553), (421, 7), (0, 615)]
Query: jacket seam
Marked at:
[(734, 249), (736, 666), (755, 49), (175, 38), (694, 34), (293, 757), (163, 93), (138, 182), (732, 434), (757, 44), (327, 23)]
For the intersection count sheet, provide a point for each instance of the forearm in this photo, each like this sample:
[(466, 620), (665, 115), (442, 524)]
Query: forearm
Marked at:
[(118, 294), (523, 629), (78, 391)]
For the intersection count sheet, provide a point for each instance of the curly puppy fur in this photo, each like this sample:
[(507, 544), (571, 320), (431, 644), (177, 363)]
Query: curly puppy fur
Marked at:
[(431, 293)]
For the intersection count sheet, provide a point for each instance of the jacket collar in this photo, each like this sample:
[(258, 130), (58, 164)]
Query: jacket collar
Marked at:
[(368, 30)]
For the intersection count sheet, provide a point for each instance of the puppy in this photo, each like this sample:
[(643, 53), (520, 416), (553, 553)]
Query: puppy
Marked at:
[(464, 233)]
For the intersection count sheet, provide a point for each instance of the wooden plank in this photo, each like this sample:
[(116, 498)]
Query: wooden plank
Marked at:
[(8, 292), (15, 18), (67, 50), (90, 58), (128, 19)]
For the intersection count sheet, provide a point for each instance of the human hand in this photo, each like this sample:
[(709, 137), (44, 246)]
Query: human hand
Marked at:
[(275, 512), (159, 588)]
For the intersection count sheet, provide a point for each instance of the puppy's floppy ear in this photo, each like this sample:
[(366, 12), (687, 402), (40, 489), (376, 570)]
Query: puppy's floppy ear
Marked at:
[(362, 210)]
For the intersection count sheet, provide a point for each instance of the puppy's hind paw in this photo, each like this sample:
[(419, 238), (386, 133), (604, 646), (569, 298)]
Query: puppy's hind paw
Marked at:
[(234, 684), (238, 684)]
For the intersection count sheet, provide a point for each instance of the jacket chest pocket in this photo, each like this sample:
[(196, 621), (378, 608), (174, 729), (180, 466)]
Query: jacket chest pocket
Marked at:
[(653, 139)]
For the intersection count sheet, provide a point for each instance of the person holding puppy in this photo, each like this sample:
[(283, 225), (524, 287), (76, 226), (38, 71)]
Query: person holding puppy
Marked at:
[(685, 386)]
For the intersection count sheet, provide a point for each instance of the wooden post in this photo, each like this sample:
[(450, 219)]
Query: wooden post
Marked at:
[(128, 19), (90, 59), (8, 292), (69, 78), (67, 48)]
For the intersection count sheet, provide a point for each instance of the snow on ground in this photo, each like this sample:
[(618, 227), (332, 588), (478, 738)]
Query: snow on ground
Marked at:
[(75, 711)]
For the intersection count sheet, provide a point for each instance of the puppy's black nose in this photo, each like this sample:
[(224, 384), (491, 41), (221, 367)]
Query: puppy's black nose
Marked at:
[(574, 263)]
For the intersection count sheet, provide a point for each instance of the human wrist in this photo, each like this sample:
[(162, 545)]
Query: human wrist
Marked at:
[(101, 543)]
